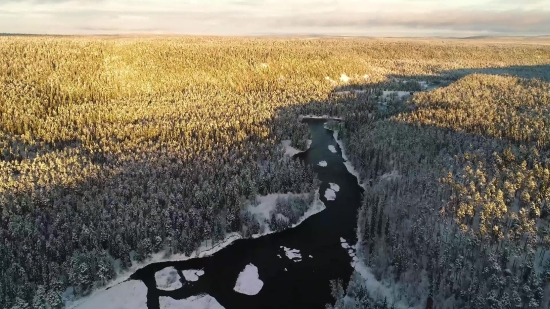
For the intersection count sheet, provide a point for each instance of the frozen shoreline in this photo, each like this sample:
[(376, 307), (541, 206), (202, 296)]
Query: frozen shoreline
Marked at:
[(347, 163), (208, 248), (203, 250), (327, 117)]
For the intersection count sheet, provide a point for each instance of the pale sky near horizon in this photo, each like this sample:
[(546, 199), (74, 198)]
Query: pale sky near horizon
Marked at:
[(278, 17)]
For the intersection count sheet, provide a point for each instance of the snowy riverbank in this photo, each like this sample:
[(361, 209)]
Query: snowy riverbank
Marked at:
[(118, 289)]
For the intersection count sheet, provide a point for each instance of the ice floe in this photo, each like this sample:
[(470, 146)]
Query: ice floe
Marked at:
[(249, 282)]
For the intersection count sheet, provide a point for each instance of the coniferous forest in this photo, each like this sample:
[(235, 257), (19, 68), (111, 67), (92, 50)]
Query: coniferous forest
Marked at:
[(113, 149)]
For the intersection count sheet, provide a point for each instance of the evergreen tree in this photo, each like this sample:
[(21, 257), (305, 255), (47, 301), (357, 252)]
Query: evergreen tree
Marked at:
[(380, 217)]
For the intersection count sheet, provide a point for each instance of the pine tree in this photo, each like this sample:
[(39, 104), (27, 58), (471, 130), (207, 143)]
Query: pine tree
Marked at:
[(54, 299), (515, 300), (387, 230)]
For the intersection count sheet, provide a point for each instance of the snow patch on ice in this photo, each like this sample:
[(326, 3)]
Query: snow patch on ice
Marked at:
[(334, 187), (127, 295), (330, 195), (332, 148), (168, 279), (322, 163), (292, 254), (192, 274), (193, 302), (249, 282)]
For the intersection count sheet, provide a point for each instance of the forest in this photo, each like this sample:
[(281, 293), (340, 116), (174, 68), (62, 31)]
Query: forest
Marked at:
[(113, 149)]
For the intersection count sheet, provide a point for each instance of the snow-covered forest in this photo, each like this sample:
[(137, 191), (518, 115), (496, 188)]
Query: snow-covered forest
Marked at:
[(115, 149), (457, 211)]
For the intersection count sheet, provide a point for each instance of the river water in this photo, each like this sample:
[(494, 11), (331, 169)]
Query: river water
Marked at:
[(286, 283)]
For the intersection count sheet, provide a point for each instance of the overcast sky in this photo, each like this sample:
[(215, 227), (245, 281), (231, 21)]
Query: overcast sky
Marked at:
[(267, 17)]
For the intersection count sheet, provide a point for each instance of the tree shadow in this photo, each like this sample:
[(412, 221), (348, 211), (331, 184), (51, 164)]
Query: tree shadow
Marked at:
[(446, 77)]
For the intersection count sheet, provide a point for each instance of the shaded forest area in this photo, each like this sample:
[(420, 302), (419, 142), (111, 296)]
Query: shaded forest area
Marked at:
[(114, 149)]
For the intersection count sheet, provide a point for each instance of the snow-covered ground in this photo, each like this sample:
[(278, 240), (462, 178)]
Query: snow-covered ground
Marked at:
[(249, 282), (192, 274), (194, 302), (322, 163), (168, 279), (127, 295), (292, 254), (267, 204), (289, 150), (316, 207), (330, 195), (332, 148)]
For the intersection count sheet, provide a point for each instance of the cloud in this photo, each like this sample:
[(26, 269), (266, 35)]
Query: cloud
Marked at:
[(250, 17), (507, 21)]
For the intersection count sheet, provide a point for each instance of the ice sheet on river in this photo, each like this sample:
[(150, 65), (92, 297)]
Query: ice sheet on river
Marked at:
[(192, 274), (249, 282), (194, 302), (168, 279), (330, 195)]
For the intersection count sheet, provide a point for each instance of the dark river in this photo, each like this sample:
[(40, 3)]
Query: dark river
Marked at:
[(303, 284)]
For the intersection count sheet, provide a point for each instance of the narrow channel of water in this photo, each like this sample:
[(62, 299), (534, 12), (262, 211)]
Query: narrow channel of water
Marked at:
[(286, 283)]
